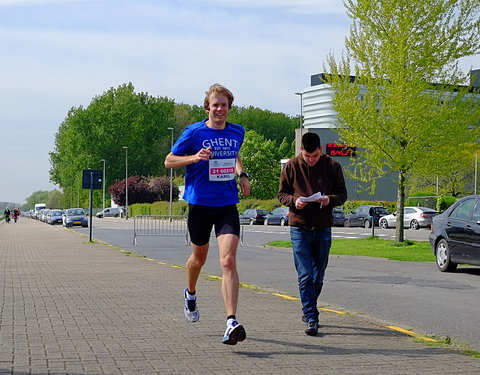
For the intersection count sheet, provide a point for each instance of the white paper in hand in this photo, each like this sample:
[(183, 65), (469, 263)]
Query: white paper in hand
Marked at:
[(311, 198)]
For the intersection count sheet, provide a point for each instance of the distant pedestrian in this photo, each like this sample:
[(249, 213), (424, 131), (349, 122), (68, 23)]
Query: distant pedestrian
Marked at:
[(210, 151), (7, 214), (311, 184)]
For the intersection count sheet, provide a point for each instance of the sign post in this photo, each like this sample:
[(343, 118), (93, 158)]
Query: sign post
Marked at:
[(92, 179)]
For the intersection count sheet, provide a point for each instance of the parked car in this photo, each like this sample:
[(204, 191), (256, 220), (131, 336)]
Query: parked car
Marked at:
[(109, 212), (338, 216), (413, 217), (362, 216), (54, 217), (279, 216), (455, 234), (253, 216), (43, 214), (74, 216)]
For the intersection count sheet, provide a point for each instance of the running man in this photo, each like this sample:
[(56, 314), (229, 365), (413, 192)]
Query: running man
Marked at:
[(210, 151)]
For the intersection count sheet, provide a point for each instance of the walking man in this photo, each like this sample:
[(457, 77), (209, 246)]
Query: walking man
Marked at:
[(311, 184), (209, 150)]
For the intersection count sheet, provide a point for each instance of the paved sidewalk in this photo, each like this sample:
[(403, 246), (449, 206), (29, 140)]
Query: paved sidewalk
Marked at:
[(78, 308)]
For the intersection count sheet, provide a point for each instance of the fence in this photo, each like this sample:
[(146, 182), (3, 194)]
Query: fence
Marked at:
[(164, 225), (160, 225)]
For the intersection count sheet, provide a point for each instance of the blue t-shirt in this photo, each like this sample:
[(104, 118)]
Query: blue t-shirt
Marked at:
[(212, 182)]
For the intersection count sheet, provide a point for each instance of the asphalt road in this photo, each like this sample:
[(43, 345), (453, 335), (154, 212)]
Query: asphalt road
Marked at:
[(410, 295)]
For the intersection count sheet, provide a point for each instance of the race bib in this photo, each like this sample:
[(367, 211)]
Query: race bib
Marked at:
[(221, 169)]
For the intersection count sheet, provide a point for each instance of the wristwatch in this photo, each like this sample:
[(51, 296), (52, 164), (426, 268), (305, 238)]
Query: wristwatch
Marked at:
[(244, 174)]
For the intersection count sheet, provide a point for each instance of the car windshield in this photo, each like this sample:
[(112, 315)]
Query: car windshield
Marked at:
[(76, 212), (56, 213), (263, 212)]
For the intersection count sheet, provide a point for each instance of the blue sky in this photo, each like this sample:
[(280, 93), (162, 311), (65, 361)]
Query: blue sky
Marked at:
[(59, 54)]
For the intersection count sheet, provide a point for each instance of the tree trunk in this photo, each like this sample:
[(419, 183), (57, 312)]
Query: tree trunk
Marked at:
[(399, 230)]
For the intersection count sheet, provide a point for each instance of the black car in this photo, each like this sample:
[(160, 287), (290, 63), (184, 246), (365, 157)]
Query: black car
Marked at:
[(338, 217), (253, 216), (362, 216), (279, 216), (455, 234)]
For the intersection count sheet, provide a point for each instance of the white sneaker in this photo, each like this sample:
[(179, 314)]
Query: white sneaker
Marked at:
[(234, 333), (190, 309)]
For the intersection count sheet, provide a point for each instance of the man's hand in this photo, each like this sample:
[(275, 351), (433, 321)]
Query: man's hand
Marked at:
[(203, 154), (299, 204), (324, 200), (244, 186)]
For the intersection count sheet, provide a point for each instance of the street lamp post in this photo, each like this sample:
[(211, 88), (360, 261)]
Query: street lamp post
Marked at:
[(301, 107), (103, 187), (126, 181), (171, 177)]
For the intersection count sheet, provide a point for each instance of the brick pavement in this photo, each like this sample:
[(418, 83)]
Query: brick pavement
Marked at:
[(71, 307)]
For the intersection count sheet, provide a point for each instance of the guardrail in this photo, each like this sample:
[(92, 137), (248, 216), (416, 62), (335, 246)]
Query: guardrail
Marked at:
[(165, 225), (160, 225)]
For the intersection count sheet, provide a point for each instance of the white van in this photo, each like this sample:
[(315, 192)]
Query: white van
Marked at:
[(109, 212), (38, 207)]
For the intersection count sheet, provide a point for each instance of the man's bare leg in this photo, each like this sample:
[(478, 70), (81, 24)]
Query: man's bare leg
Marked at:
[(194, 265), (227, 244)]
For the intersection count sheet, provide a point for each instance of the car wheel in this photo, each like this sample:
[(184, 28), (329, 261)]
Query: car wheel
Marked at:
[(442, 253), (251, 222), (282, 222), (367, 224), (414, 224), (346, 223), (384, 224), (265, 222)]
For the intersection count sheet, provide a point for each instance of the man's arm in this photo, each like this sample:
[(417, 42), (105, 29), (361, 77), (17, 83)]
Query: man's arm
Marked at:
[(243, 181), (285, 188), (176, 161)]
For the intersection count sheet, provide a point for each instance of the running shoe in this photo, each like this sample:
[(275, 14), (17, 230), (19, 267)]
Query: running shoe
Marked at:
[(234, 333), (190, 309)]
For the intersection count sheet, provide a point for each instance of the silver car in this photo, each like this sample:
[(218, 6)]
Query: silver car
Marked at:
[(413, 217)]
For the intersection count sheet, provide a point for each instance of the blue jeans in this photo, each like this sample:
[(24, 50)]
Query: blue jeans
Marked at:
[(310, 254)]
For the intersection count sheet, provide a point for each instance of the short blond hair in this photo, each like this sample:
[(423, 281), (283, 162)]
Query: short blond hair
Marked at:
[(216, 88)]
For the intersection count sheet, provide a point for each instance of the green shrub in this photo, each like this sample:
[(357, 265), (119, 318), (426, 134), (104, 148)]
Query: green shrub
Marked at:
[(422, 199), (159, 208), (349, 206), (443, 202)]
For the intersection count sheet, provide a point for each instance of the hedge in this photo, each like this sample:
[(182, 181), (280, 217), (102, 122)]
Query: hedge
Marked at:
[(181, 207)]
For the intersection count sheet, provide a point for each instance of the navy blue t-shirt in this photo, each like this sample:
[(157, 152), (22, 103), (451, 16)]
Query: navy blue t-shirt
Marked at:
[(212, 182)]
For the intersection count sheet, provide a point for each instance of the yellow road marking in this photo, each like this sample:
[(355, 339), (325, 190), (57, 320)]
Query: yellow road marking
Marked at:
[(284, 296), (333, 311), (410, 333)]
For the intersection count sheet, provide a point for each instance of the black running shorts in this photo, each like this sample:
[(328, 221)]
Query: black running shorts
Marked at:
[(201, 220)]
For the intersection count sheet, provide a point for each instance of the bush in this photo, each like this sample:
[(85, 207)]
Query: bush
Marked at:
[(143, 190), (349, 206), (159, 208), (269, 204), (443, 202), (422, 199)]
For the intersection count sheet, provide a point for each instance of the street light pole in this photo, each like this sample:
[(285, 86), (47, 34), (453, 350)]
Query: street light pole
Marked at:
[(301, 107), (103, 187), (126, 182), (171, 177)]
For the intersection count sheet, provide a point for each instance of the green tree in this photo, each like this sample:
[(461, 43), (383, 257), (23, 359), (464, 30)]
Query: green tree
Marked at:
[(118, 118), (261, 158), (406, 109), (39, 196)]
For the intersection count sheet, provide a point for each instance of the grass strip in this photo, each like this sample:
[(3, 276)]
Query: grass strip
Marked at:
[(408, 251)]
